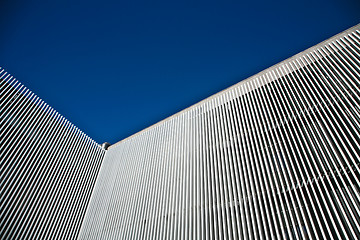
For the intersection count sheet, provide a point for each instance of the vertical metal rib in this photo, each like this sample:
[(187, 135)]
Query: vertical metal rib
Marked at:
[(274, 157), (48, 167)]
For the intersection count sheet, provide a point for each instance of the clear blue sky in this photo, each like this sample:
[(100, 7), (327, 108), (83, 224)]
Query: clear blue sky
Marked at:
[(115, 67)]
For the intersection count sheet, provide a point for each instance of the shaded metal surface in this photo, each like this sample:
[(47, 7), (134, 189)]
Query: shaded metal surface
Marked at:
[(48, 167), (274, 157)]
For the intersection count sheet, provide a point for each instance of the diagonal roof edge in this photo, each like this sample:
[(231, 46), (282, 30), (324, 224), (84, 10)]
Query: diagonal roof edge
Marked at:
[(263, 72)]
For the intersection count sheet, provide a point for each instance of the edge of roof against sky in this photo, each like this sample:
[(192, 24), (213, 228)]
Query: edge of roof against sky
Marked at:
[(263, 72)]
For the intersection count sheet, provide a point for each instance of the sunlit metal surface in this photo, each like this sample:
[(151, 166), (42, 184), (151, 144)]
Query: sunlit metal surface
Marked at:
[(273, 157), (48, 167), (276, 156)]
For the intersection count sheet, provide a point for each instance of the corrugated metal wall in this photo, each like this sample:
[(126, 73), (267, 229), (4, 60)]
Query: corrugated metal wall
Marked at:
[(48, 167), (275, 157)]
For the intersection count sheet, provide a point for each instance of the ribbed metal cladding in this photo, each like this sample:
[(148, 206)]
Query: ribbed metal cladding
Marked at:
[(273, 157), (48, 167)]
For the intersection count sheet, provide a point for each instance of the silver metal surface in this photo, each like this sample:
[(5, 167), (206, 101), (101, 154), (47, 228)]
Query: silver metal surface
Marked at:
[(274, 157), (48, 167)]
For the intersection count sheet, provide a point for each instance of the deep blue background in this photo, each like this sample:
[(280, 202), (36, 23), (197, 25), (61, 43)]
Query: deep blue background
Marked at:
[(115, 67)]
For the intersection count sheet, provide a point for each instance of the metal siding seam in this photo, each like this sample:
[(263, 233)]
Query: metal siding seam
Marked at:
[(269, 188), (129, 198), (130, 206), (63, 202), (8, 195), (261, 191), (117, 220), (6, 155), (217, 204), (3, 72), (66, 201), (137, 217), (145, 164), (163, 215), (232, 96), (304, 184), (152, 179), (219, 166), (351, 114), (343, 134), (170, 174), (21, 123), (245, 142), (55, 207), (158, 187), (210, 186), (354, 44), (297, 181), (105, 211), (337, 184), (223, 143), (290, 161), (273, 138), (115, 171), (307, 147), (91, 153), (181, 183), (172, 180), (206, 189), (120, 209), (192, 197), (356, 39), (93, 205), (12, 88), (187, 188), (201, 188), (171, 233), (174, 176), (315, 143), (146, 180), (163, 188), (252, 161), (341, 178), (45, 185), (157, 182), (97, 165), (280, 152), (132, 193), (8, 84), (343, 53), (183, 178), (288, 183), (11, 172), (231, 134), (109, 222), (226, 144), (177, 198), (246, 218), (193, 204), (27, 108)]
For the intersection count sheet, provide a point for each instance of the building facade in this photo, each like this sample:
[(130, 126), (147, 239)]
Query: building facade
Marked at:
[(273, 157), (48, 167), (276, 156)]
